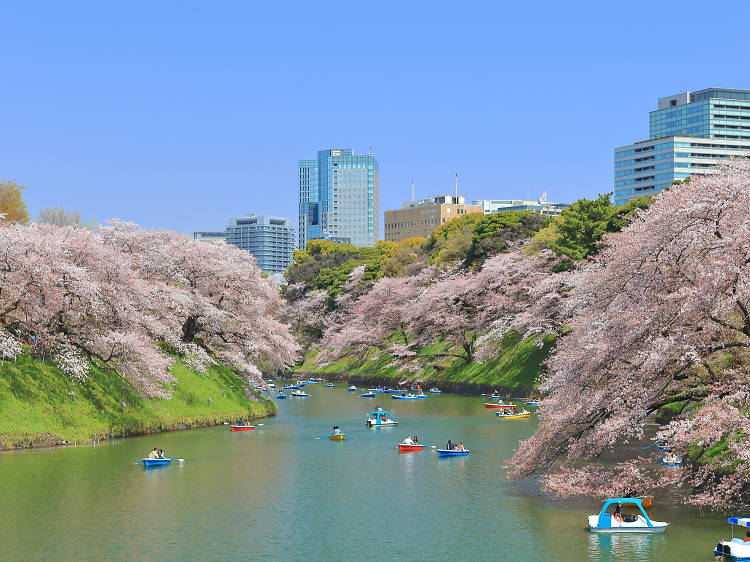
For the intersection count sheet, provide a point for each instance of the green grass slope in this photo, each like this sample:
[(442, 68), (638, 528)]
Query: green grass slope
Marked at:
[(515, 370), (40, 405)]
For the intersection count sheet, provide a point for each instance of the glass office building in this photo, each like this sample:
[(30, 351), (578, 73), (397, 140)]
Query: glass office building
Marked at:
[(339, 198), (269, 239), (689, 132)]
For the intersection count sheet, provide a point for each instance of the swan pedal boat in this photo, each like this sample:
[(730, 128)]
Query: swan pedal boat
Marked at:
[(242, 427), (155, 462), (513, 415), (404, 447), (735, 549), (452, 453), (337, 436), (642, 523)]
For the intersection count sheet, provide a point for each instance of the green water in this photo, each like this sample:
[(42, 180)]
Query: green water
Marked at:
[(278, 493)]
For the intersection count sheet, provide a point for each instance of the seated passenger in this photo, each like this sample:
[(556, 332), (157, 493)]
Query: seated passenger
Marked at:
[(154, 454), (408, 440)]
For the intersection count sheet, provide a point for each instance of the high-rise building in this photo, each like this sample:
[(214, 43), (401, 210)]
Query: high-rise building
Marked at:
[(688, 133), (269, 239), (339, 198), (417, 219)]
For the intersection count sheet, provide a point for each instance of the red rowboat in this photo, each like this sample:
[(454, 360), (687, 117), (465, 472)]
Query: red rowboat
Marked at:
[(402, 447), (490, 405), (242, 427)]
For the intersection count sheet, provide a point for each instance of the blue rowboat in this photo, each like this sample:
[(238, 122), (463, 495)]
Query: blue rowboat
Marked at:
[(330, 385), (155, 462), (290, 387), (368, 394), (408, 396), (280, 396), (452, 453)]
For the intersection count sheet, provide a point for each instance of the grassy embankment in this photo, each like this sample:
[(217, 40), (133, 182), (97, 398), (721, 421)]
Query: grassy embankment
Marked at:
[(39, 405), (514, 371)]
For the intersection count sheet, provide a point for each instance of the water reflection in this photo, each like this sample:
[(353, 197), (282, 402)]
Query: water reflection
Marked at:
[(623, 546)]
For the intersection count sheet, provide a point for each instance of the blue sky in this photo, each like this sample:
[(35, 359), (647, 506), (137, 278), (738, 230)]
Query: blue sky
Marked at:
[(181, 114)]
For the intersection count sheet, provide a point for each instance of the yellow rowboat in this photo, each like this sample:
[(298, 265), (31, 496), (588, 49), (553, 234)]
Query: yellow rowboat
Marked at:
[(337, 436), (514, 416)]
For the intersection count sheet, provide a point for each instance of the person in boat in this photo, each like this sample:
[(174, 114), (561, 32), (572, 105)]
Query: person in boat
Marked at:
[(617, 515), (240, 422), (336, 430), (161, 454), (408, 440), (449, 446), (416, 440), (460, 447), (154, 454)]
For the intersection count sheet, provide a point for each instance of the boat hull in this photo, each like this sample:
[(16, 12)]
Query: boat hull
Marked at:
[(337, 437), (512, 416), (386, 424), (449, 453), (155, 462), (497, 406), (242, 427), (404, 448), (643, 530)]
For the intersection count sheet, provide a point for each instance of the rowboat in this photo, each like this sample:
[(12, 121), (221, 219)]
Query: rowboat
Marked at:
[(329, 385), (404, 448), (280, 396), (375, 390), (435, 391), (735, 548), (299, 394), (242, 427), (498, 405), (532, 403), (408, 396), (368, 394), (392, 391), (452, 453), (290, 387), (352, 388), (155, 462), (611, 520), (512, 415), (671, 460), (337, 436)]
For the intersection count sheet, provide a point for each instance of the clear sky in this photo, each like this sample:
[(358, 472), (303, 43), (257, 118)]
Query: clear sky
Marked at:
[(181, 114)]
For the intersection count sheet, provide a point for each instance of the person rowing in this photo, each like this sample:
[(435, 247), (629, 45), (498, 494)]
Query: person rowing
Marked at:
[(336, 430), (408, 440)]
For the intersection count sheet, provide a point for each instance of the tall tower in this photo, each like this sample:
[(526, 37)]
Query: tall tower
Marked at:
[(339, 198)]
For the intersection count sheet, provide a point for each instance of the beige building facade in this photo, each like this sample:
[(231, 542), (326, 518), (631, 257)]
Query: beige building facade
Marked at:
[(417, 219)]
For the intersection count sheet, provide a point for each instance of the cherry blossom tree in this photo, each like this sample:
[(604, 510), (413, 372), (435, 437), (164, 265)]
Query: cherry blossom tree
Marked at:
[(78, 297), (660, 317)]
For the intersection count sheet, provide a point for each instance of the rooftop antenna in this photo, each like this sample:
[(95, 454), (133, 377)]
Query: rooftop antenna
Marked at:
[(370, 153), (412, 191), (456, 184)]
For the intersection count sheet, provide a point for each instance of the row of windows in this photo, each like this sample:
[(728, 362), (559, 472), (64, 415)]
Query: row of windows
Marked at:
[(649, 178)]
